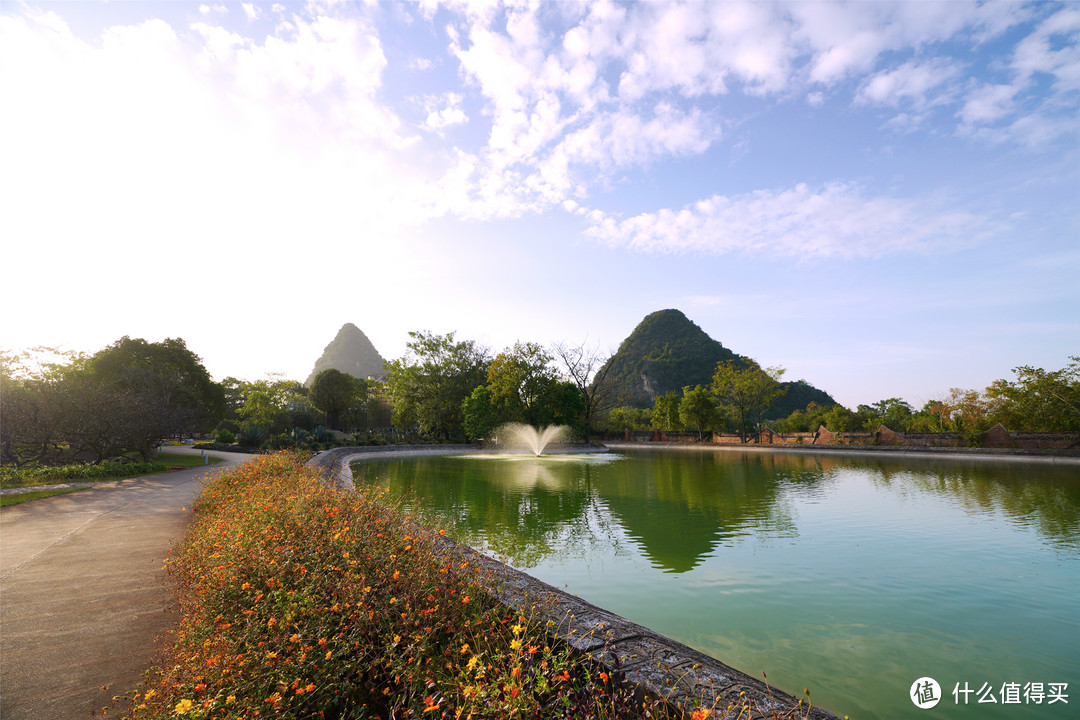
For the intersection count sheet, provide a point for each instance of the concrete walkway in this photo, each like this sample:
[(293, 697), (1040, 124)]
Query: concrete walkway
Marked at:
[(83, 592)]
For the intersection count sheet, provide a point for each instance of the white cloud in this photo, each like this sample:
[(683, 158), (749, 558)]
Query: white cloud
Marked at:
[(1012, 110), (836, 220), (149, 141), (444, 112), (918, 84)]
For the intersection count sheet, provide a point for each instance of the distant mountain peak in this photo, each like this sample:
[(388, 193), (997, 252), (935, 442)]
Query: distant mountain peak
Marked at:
[(667, 351), (664, 353), (352, 353)]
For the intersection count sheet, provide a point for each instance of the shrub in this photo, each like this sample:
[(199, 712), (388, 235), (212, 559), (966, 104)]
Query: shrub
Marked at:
[(321, 435), (252, 437), (225, 437)]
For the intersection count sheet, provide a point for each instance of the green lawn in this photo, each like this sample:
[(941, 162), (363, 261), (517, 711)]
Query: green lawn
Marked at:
[(6, 500), (88, 473)]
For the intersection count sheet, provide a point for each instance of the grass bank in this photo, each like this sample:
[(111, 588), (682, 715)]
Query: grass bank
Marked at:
[(30, 476), (301, 602), (34, 476)]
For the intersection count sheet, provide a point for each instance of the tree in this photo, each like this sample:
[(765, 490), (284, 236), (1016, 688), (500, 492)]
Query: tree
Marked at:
[(665, 413), (626, 417), (894, 413), (479, 415), (745, 390), (968, 410), (1039, 400), (838, 418), (430, 383), (30, 427), (126, 397), (697, 410), (271, 403), (332, 392), (588, 369), (520, 380), (151, 391), (563, 404)]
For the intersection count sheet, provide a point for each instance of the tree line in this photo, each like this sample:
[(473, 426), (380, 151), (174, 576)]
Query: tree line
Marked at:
[(130, 396), (1035, 400), (127, 398)]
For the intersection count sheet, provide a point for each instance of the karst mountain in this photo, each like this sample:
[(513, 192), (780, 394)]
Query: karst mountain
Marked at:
[(352, 353), (667, 352)]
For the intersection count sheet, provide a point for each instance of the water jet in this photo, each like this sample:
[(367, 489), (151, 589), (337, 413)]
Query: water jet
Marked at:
[(522, 437)]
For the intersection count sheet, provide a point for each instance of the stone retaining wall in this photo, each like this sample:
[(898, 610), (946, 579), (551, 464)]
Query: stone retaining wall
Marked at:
[(656, 663)]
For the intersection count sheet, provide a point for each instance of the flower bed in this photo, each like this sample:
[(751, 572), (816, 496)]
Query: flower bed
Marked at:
[(302, 602)]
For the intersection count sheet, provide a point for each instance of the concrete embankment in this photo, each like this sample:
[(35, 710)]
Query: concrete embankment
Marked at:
[(889, 451), (656, 663)]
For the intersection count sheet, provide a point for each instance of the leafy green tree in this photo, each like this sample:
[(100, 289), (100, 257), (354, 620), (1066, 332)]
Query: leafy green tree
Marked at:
[(145, 392), (1038, 399), (665, 413), (269, 403), (357, 414), (127, 397), (332, 392), (624, 417), (745, 390), (838, 418), (520, 380), (564, 404), (479, 414), (894, 413), (430, 383), (698, 411)]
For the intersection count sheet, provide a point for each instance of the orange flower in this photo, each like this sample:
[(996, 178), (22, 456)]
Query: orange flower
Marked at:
[(702, 714)]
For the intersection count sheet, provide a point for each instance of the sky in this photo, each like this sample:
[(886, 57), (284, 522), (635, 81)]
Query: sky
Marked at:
[(882, 198)]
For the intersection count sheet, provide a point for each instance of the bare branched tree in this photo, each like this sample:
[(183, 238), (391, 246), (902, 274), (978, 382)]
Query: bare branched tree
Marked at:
[(587, 368)]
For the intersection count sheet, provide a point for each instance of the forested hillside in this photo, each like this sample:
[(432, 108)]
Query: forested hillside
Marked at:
[(667, 352)]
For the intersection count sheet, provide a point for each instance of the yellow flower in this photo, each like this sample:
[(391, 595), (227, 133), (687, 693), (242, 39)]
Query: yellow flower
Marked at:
[(230, 699), (150, 694), (517, 629), (472, 662), (515, 644), (182, 707)]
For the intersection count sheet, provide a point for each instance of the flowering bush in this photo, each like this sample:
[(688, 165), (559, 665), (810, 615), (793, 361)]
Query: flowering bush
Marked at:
[(301, 602)]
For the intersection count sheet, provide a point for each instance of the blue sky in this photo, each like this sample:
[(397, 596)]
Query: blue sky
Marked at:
[(882, 198)]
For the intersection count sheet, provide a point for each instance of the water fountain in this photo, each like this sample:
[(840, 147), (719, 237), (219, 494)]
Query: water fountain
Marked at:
[(519, 436)]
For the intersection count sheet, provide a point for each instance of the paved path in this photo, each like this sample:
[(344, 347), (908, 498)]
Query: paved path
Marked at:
[(83, 592)]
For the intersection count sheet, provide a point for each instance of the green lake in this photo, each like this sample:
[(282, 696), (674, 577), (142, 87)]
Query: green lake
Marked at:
[(852, 576)]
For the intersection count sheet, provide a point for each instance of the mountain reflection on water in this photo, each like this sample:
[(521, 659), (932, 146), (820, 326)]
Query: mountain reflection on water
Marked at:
[(679, 508)]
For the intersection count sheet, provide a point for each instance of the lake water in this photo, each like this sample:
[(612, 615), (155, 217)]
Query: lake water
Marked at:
[(854, 577)]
